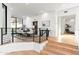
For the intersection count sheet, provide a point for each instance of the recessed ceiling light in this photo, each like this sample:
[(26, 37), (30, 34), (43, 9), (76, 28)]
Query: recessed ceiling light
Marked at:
[(27, 17), (45, 14)]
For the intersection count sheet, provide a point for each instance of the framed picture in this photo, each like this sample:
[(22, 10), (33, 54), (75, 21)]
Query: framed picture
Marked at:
[(46, 23)]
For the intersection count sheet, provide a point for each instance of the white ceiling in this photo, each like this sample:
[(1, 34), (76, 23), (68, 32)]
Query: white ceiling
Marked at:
[(31, 9)]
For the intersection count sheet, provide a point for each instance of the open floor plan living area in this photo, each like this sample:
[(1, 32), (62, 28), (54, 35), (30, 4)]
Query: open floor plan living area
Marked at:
[(39, 28)]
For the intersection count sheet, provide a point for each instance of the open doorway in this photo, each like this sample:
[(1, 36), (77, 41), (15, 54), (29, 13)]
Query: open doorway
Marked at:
[(68, 24), (67, 29), (35, 24)]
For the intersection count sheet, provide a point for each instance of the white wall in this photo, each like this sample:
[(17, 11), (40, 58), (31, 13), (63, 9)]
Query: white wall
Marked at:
[(0, 19), (0, 15), (27, 20), (51, 17), (8, 18), (8, 36), (62, 25), (42, 18)]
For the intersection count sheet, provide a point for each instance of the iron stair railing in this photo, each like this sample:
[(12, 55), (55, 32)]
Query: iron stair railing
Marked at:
[(13, 33), (42, 32)]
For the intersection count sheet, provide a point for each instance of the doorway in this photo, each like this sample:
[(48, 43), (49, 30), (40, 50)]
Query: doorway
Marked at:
[(67, 29), (68, 24), (35, 24)]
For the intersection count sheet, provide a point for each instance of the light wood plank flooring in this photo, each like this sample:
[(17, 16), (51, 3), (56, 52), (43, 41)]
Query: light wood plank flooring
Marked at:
[(52, 48)]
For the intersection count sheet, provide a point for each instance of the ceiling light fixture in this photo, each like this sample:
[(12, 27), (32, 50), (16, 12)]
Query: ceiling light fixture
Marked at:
[(45, 14), (28, 17)]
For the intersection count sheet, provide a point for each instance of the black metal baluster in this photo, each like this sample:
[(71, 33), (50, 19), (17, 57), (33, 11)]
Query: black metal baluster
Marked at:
[(39, 35), (33, 35), (1, 36), (12, 35), (47, 34)]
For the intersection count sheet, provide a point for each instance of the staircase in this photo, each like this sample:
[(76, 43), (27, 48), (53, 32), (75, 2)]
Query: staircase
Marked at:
[(55, 48)]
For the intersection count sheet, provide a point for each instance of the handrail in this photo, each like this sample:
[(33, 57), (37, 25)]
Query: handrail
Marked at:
[(13, 33), (42, 32), (1, 36)]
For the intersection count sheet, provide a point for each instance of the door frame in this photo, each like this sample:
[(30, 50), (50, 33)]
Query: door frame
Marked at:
[(4, 6)]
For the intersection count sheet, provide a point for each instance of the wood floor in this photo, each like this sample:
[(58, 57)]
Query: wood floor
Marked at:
[(56, 48), (69, 39), (52, 48)]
